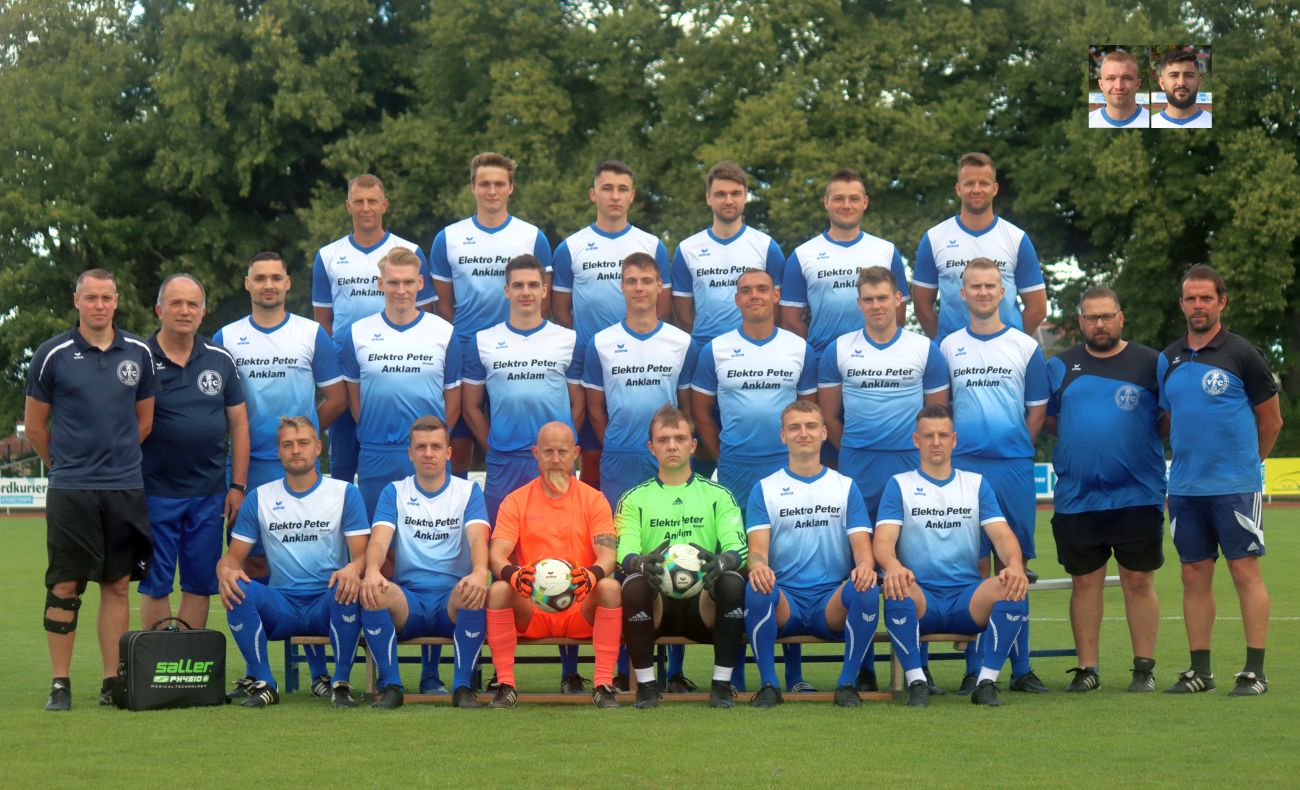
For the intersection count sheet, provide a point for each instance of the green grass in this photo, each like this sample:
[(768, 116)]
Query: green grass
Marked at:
[(1106, 737)]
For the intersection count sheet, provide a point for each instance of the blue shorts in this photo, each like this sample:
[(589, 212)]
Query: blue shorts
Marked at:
[(1200, 525), (739, 476), (290, 614), (1012, 480), (622, 471), (808, 614), (871, 470), (428, 615), (587, 438), (344, 448), (505, 473), (260, 472), (379, 467), (187, 529), (947, 610)]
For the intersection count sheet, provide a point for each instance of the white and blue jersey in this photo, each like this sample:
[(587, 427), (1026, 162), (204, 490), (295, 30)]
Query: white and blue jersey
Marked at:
[(431, 548), (1100, 119), (403, 372), (706, 267), (638, 373), (473, 257), (1210, 395), (994, 379), (1109, 455), (883, 386), (305, 535), (1198, 120), (944, 251), (822, 274), (753, 380), (527, 376), (940, 525), (810, 520), (280, 368), (589, 264), (345, 278)]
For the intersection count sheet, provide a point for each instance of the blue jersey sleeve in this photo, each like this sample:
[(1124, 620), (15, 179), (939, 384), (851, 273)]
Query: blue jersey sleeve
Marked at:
[(439, 267), (562, 268), (1055, 376), (1161, 365), (665, 270), (354, 512), (386, 507), (322, 295), (989, 510), (472, 365), (706, 375), (900, 274), (688, 366), (756, 514), (890, 509), (592, 373), (794, 289), (574, 373), (325, 360), (452, 366), (475, 509), (426, 294), (856, 518), (935, 378), (923, 271), (542, 250), (775, 261), (1029, 274), (1037, 390), (808, 375), (682, 280), (828, 370), (347, 355), (246, 522)]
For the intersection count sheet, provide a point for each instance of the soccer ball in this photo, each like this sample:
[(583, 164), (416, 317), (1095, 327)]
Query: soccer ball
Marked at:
[(682, 575), (553, 586)]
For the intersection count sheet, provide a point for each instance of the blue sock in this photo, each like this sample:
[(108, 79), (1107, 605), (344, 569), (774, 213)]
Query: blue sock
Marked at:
[(973, 656), (859, 628), (1005, 624), (430, 658), (471, 630), (760, 624), (568, 660), (738, 674), (624, 666), (345, 633), (793, 665), (925, 654), (315, 655), (676, 658), (381, 641), (250, 635), (1020, 655), (905, 630)]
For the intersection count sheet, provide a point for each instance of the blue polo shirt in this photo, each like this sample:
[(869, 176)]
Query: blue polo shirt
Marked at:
[(94, 435), (185, 454)]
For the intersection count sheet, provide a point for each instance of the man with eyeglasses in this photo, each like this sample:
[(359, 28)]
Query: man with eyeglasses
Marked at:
[(1110, 489)]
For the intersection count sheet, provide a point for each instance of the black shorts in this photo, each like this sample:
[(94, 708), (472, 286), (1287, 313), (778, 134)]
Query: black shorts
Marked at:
[(681, 617), (1085, 541), (97, 536)]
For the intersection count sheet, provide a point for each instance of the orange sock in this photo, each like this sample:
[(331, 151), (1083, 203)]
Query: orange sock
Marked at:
[(502, 638), (605, 635)]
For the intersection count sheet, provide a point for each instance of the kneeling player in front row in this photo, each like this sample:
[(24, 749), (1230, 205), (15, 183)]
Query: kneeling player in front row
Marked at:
[(927, 540), (683, 515), (437, 527), (310, 526), (811, 569), (554, 517)]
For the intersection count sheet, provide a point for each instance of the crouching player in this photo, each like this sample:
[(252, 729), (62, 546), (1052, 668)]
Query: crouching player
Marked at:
[(555, 516), (437, 528), (675, 507), (310, 526), (811, 570), (927, 541)]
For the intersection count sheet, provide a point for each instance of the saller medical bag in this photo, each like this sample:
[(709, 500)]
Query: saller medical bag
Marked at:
[(171, 667)]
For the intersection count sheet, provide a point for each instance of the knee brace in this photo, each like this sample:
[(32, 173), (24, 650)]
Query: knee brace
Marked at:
[(72, 604)]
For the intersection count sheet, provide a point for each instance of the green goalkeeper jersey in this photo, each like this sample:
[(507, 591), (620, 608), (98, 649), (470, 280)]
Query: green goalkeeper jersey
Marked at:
[(699, 511)]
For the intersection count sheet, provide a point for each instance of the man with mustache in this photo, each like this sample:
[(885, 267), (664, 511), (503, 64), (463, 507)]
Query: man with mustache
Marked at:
[(1180, 79)]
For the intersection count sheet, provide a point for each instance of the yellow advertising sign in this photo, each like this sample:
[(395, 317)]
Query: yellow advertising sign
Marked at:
[(1282, 476)]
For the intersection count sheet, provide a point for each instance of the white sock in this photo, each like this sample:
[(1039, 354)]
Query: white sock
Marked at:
[(646, 675), (913, 675), (722, 673), (987, 674)]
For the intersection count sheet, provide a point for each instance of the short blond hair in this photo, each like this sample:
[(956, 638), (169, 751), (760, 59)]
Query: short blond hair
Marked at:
[(399, 256), (297, 422)]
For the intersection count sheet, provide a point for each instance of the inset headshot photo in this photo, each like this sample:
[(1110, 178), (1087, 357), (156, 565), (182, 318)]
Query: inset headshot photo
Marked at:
[(1182, 73), (1121, 97)]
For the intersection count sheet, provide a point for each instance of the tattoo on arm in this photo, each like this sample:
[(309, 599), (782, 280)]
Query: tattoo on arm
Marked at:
[(606, 541)]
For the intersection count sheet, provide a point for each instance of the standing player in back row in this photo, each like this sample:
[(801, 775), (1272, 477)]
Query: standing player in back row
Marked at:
[(976, 232)]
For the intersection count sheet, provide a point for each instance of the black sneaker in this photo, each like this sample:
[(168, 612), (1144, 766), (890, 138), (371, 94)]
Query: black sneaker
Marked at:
[(918, 694), (621, 682), (866, 681), (1085, 679), (802, 687), (1144, 680), (573, 684), (260, 695), (392, 696), (464, 697), (341, 696), (1191, 682), (767, 697), (433, 685), (106, 690), (679, 684), (647, 695), (493, 684), (722, 694), (320, 686), (935, 690), (241, 690), (986, 693), (506, 697), (1249, 685), (605, 697), (60, 695), (1029, 683), (968, 683), (846, 696)]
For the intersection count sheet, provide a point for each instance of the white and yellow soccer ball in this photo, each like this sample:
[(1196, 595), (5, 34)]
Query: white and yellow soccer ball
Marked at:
[(553, 585), (682, 575)]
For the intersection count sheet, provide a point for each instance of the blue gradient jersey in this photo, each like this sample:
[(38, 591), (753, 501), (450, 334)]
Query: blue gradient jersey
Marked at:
[(473, 258), (1210, 395), (431, 548), (403, 372), (638, 374), (940, 525), (1109, 455), (822, 274), (994, 379), (810, 520), (706, 267), (280, 368), (753, 381), (527, 376), (884, 386), (589, 264), (942, 255), (305, 535), (345, 278)]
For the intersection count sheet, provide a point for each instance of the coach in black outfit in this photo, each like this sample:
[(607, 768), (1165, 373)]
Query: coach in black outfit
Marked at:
[(89, 406)]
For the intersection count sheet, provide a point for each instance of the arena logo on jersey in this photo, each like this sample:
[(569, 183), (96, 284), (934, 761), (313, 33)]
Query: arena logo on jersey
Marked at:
[(1126, 397), (1215, 382), (128, 372), (187, 671), (210, 382)]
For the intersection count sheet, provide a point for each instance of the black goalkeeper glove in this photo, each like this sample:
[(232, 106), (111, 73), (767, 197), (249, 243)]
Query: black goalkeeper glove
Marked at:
[(714, 565), (649, 565)]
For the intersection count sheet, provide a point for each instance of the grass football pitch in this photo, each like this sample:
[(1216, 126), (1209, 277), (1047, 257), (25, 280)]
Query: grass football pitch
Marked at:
[(1106, 737)]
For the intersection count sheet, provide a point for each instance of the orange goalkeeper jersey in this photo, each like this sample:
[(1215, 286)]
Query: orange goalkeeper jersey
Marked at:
[(560, 529)]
